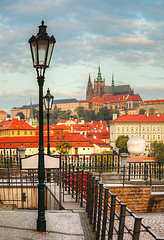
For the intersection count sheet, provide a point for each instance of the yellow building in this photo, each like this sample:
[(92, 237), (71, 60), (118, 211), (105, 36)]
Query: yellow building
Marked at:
[(16, 128), (150, 127)]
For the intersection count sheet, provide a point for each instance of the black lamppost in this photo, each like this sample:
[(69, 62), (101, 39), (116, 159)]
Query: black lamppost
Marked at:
[(41, 50), (48, 100)]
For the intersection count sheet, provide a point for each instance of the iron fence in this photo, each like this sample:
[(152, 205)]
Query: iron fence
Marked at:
[(111, 219), (19, 188)]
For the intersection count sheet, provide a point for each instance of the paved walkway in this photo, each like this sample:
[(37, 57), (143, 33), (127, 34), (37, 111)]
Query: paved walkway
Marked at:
[(62, 225), (21, 225)]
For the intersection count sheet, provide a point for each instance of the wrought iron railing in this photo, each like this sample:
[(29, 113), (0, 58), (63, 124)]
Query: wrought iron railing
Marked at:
[(111, 218)]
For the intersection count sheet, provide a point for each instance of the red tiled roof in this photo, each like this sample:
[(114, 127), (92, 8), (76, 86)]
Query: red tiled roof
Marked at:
[(97, 100), (1, 111), (135, 97), (140, 118), (122, 98), (154, 101), (16, 124)]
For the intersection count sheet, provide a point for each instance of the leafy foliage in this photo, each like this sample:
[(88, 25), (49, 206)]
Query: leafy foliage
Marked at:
[(142, 111), (63, 147), (121, 143), (104, 114), (22, 116), (157, 150)]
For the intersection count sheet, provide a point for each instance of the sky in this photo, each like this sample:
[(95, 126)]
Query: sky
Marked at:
[(123, 37)]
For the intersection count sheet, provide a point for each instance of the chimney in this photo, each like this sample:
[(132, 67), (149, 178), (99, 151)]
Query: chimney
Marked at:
[(114, 116)]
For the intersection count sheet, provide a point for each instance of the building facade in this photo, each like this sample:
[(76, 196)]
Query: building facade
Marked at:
[(153, 106), (150, 127), (3, 115)]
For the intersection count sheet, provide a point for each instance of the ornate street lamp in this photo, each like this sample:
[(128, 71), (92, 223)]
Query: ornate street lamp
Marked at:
[(48, 100), (41, 50)]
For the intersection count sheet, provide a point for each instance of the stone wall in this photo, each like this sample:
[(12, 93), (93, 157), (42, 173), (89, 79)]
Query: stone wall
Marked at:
[(139, 198)]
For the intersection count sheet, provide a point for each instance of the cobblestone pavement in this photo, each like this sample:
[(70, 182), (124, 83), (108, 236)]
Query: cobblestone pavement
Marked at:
[(87, 227), (155, 221)]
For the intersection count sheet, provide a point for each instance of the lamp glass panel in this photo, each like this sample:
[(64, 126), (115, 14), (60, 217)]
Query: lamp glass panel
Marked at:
[(42, 49), (50, 49), (34, 52), (48, 103)]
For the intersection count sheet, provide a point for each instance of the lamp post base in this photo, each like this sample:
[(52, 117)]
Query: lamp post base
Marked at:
[(41, 225)]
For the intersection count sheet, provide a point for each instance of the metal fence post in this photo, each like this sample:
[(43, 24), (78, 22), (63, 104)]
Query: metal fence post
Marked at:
[(69, 176), (77, 184), (66, 175), (87, 198), (73, 180), (112, 215), (89, 195), (92, 198), (159, 171), (105, 214), (95, 205), (122, 221), (99, 211), (137, 227), (82, 182)]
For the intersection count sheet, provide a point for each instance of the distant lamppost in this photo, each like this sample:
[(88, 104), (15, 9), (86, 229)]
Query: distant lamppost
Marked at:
[(41, 50), (48, 100)]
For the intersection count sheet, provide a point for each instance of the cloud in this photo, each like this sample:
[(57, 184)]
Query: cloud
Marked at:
[(122, 35)]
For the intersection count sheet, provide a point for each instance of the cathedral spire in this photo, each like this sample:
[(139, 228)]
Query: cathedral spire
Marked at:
[(31, 109), (89, 92), (112, 80), (99, 78)]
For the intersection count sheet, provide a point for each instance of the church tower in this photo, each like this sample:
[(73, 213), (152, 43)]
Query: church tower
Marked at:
[(99, 83), (89, 92)]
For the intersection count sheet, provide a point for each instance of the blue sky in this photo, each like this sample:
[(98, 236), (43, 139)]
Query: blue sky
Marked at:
[(124, 37)]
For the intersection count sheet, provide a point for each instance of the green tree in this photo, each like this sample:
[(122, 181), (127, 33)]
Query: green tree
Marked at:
[(103, 114), (151, 111), (142, 111), (121, 143), (63, 147), (157, 150), (21, 115), (80, 112)]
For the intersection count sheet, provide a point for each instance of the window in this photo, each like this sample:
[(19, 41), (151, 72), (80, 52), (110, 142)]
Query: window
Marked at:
[(132, 129), (158, 129), (118, 129), (83, 148), (25, 132), (153, 128), (18, 132), (12, 132), (143, 129), (30, 132), (148, 129), (127, 129), (147, 137), (136, 129), (123, 129), (153, 137), (159, 137)]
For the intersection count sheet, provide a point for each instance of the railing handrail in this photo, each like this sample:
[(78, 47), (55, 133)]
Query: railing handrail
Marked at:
[(97, 210)]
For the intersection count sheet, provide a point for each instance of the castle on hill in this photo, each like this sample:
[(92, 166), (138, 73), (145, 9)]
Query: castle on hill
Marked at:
[(100, 90)]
